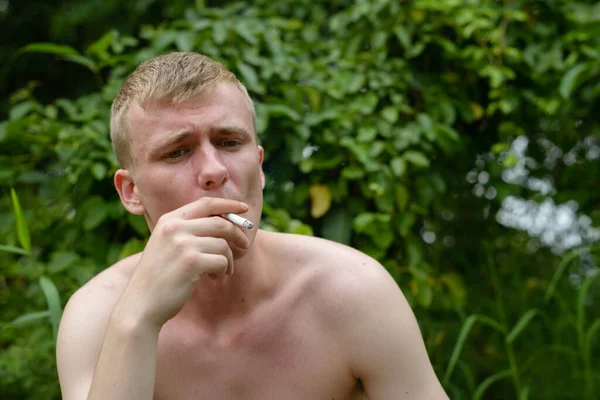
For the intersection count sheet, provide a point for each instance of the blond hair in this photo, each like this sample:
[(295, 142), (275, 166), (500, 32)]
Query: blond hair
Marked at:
[(172, 78)]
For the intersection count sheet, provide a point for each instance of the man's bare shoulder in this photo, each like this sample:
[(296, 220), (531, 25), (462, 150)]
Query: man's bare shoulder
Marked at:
[(334, 273), (361, 307), (108, 284), (83, 325)]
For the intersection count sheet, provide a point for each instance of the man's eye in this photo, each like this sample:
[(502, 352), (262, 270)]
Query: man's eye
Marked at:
[(229, 143), (176, 154)]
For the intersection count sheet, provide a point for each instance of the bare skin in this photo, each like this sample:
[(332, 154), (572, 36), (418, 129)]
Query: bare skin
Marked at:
[(213, 311)]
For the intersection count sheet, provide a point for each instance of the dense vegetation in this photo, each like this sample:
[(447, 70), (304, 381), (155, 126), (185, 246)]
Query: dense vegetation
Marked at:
[(456, 141)]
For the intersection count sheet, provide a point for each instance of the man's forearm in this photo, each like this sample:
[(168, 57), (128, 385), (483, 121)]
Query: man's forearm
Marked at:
[(126, 367)]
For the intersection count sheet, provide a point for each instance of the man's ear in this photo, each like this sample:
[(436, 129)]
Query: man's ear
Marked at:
[(128, 192), (261, 155)]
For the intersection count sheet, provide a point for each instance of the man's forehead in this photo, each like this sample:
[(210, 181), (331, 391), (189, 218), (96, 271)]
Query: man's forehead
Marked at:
[(150, 125), (225, 102)]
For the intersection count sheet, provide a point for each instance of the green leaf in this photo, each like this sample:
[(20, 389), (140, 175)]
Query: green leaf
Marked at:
[(20, 110), (99, 171), (249, 76), (244, 31), (95, 217), (22, 228), (522, 324), (13, 249), (337, 226), (390, 114), (219, 32), (572, 79), (50, 48), (357, 82), (362, 221), (61, 261), (462, 338), (353, 172), (416, 158), (456, 287), (100, 47), (403, 36), (582, 298), (402, 197), (561, 268), (366, 134), (314, 98), (82, 60), (524, 395), (379, 39), (201, 24), (53, 301), (30, 318), (185, 41), (591, 334), (483, 386), (414, 254), (423, 289), (398, 165), (282, 109)]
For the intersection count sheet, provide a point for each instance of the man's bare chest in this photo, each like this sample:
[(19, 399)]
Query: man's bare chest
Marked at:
[(272, 356)]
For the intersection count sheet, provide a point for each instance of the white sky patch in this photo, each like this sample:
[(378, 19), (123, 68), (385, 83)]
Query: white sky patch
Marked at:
[(557, 226)]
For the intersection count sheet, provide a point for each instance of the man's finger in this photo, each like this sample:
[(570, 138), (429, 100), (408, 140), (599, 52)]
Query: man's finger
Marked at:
[(210, 206), (217, 227)]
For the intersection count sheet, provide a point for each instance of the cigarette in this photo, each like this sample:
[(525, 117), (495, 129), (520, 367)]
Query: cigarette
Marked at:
[(239, 221)]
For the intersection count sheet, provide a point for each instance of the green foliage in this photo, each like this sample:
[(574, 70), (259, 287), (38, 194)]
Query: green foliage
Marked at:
[(371, 114)]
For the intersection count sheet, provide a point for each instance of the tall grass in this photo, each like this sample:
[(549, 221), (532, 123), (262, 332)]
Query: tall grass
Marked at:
[(519, 373)]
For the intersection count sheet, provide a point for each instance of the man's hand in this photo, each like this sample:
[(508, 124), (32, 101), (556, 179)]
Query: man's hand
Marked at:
[(113, 355), (185, 245)]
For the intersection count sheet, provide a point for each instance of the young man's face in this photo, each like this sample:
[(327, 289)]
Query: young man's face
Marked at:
[(205, 147)]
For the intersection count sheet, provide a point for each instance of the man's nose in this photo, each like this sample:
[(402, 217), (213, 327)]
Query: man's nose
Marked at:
[(212, 173)]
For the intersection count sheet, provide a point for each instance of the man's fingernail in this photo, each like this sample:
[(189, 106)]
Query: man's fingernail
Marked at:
[(244, 204)]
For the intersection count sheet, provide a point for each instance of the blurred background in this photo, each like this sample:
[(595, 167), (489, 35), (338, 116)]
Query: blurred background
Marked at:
[(456, 141)]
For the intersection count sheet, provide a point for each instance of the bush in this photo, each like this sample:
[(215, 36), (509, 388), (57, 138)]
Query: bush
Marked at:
[(371, 115)]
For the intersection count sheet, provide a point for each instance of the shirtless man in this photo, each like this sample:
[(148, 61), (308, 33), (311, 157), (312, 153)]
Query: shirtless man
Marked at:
[(210, 310)]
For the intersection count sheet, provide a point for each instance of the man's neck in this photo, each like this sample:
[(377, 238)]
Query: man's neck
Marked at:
[(215, 301)]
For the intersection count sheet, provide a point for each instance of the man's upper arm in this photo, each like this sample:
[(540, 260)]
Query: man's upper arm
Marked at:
[(80, 338), (386, 347)]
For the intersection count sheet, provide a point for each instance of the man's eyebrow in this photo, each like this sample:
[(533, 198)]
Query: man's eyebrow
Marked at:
[(173, 140), (178, 137), (230, 130)]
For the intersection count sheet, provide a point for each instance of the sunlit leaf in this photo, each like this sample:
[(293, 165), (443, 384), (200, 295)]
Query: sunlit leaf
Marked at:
[(462, 338), (416, 158), (99, 171), (30, 318), (95, 217), (478, 111), (61, 261), (402, 197), (185, 41), (219, 32), (82, 60), (567, 259), (398, 165), (22, 228), (483, 386), (321, 200), (13, 249), (53, 302), (572, 79), (522, 324), (50, 48)]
